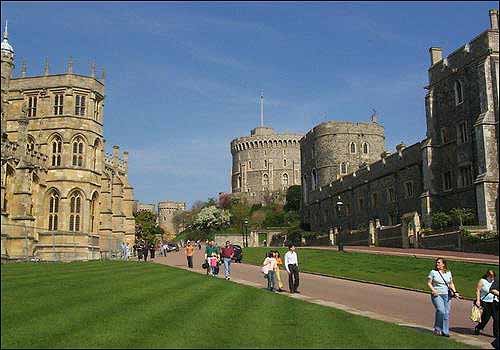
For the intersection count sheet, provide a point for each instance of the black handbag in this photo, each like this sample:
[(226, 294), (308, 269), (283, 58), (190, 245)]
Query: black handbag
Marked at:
[(451, 293), (204, 266)]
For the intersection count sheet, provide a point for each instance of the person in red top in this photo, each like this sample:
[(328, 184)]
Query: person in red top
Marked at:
[(227, 254)]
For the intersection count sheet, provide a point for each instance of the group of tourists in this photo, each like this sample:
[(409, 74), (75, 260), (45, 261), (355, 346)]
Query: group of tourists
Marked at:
[(440, 282), (272, 272), (143, 248), (443, 290)]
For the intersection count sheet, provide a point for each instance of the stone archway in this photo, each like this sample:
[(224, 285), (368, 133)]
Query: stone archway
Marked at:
[(410, 227)]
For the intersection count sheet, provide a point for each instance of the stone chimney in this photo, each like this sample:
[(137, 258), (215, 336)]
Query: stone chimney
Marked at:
[(436, 55), (400, 147), (494, 19)]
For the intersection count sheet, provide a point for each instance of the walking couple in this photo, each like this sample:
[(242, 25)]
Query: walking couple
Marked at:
[(271, 270)]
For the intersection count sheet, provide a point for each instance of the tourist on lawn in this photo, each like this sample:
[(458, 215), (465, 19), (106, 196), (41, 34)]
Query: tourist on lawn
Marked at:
[(269, 267), (152, 249), (440, 282), (485, 299), (145, 250), (127, 251), (495, 291), (139, 248), (279, 262), (211, 251), (189, 254), (292, 267), (227, 254)]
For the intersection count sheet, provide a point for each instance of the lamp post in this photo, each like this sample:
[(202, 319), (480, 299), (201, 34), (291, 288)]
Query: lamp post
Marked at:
[(246, 233), (340, 242)]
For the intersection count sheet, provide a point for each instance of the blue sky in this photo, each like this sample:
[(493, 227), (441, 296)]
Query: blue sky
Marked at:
[(184, 79)]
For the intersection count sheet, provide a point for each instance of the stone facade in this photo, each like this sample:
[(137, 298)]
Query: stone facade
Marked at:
[(455, 166), (265, 164), (63, 198), (166, 212)]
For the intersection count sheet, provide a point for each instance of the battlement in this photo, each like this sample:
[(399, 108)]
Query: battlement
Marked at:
[(172, 205), (13, 150), (109, 162), (404, 157), (264, 140), (43, 83), (333, 127), (484, 44)]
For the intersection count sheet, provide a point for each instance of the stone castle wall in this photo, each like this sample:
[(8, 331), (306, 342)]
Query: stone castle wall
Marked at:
[(265, 163)]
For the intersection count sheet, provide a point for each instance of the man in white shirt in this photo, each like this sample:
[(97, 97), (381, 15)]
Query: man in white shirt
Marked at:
[(292, 267)]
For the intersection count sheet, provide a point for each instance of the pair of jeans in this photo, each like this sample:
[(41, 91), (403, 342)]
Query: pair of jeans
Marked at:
[(227, 267), (442, 303), (190, 261), (270, 280)]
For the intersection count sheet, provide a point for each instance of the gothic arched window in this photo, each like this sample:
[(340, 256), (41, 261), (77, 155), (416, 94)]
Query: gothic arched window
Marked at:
[(78, 151), (75, 210), (284, 180), (366, 148), (353, 148), (56, 151), (459, 93), (53, 211)]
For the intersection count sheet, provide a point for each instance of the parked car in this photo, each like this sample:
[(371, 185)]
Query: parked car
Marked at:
[(171, 247), (238, 253)]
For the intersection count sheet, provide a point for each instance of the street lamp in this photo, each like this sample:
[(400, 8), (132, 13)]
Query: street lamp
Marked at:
[(246, 233), (340, 242)]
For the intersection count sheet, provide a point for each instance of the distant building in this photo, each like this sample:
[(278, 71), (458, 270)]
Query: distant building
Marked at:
[(265, 163)]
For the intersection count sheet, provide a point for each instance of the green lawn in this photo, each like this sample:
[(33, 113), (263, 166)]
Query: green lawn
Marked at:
[(401, 271), (145, 305)]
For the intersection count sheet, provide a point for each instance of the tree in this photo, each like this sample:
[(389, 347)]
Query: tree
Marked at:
[(440, 219), (146, 226), (462, 216), (211, 218), (293, 196)]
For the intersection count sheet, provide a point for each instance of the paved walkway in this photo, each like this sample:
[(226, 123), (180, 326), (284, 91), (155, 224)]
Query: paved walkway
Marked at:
[(421, 253), (407, 308)]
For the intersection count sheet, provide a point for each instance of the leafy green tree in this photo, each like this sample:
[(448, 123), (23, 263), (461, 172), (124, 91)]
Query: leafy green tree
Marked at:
[(440, 219), (146, 226), (293, 195), (462, 216)]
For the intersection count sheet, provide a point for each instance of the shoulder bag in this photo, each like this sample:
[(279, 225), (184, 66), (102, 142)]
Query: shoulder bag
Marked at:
[(451, 293)]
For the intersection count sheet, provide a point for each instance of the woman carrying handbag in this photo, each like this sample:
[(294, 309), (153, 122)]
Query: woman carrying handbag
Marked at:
[(440, 282), (484, 301)]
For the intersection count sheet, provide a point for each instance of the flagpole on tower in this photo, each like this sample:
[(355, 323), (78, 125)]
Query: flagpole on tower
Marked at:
[(262, 108)]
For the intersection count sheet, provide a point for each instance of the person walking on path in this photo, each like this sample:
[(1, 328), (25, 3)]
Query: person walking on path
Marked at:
[(189, 254), (495, 291), (145, 250), (485, 299), (269, 267), (440, 282), (227, 254), (292, 267), (279, 262), (211, 251)]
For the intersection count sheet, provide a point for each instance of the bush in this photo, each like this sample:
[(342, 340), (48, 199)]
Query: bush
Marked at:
[(440, 219), (294, 237)]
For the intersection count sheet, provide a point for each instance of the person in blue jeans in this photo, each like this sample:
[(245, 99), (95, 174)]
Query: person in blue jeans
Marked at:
[(227, 254), (440, 281)]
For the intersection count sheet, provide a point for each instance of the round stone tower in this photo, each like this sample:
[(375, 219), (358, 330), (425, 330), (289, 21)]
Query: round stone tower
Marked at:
[(336, 148), (265, 163)]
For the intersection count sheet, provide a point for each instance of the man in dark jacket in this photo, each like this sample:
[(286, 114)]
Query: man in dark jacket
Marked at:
[(495, 291)]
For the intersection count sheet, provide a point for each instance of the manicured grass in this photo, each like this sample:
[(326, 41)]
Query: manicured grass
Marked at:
[(144, 305), (401, 271)]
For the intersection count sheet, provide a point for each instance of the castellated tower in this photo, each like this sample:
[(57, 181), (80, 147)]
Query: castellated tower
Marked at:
[(166, 212), (265, 163), (335, 148), (73, 201)]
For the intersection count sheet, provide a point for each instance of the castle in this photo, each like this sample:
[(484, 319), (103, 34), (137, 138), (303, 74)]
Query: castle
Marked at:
[(63, 198), (349, 181), (265, 163), (165, 215)]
